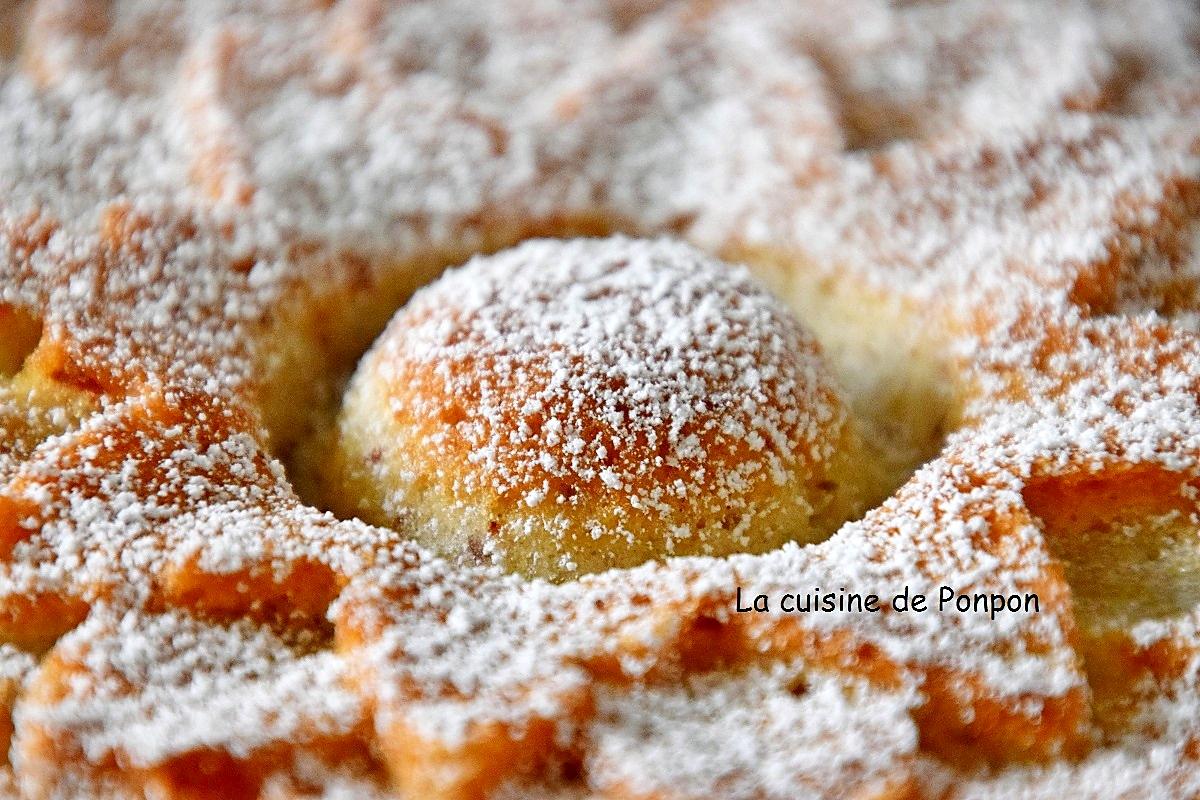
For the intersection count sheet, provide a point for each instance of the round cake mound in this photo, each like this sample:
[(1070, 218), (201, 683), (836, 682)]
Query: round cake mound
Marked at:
[(567, 407)]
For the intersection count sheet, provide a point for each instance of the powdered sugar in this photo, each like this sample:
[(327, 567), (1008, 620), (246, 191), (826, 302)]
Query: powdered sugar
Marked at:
[(174, 185), (640, 377)]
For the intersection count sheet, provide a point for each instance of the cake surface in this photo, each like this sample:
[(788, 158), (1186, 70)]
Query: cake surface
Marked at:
[(960, 363), (563, 408)]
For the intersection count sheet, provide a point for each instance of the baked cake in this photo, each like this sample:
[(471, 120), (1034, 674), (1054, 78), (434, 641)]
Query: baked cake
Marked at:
[(628, 399)]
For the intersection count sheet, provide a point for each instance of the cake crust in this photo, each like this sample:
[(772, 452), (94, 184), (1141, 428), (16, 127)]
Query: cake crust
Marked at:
[(986, 214)]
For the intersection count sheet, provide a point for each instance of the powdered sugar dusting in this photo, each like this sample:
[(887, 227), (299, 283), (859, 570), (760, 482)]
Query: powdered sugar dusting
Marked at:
[(644, 740), (1021, 178), (642, 379), (152, 688)]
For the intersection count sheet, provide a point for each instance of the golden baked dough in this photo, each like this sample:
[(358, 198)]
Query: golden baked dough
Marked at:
[(568, 407), (985, 213)]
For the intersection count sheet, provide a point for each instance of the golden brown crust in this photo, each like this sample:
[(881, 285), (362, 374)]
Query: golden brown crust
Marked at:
[(985, 212), (566, 408)]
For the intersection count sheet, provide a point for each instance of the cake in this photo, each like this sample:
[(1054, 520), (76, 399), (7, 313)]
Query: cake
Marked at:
[(639, 399)]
